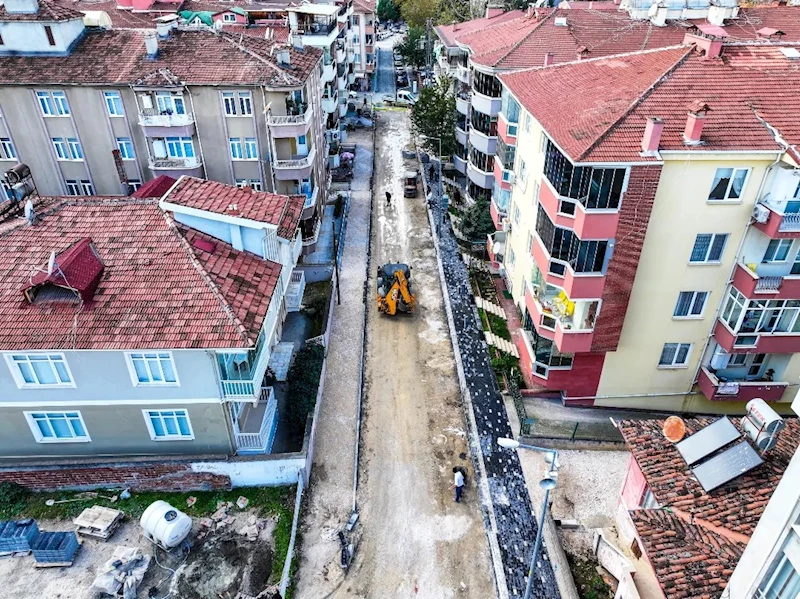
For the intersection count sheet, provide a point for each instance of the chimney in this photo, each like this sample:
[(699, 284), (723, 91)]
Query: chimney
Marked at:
[(151, 44), (582, 52), (493, 10), (163, 28), (21, 7), (692, 134), (284, 57), (548, 59), (711, 48), (652, 135)]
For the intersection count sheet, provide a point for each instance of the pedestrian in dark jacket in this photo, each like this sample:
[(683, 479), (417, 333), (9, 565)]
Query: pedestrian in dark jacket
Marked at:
[(388, 199)]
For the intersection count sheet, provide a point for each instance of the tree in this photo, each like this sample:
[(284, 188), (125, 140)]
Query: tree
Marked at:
[(434, 117), (387, 11), (477, 221), (417, 12), (413, 49)]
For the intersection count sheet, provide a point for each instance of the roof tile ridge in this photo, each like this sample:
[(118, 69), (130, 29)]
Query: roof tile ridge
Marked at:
[(226, 307), (239, 45), (721, 531), (525, 37), (641, 98)]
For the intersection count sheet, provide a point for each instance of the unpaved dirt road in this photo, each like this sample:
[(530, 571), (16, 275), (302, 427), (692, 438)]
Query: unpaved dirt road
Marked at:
[(415, 541)]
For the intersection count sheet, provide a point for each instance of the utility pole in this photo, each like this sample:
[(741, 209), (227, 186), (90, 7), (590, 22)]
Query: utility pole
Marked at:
[(428, 48)]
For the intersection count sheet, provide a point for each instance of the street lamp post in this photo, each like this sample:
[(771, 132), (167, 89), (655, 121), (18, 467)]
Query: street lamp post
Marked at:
[(548, 483)]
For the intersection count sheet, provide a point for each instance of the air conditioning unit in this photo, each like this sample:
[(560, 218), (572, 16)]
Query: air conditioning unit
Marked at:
[(506, 224), (760, 213), (511, 178)]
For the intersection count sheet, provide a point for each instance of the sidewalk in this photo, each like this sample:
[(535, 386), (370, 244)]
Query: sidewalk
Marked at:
[(330, 494)]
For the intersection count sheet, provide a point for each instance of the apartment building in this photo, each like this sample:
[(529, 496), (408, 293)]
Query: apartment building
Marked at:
[(711, 511), (99, 112), (650, 237), (130, 329), (362, 28)]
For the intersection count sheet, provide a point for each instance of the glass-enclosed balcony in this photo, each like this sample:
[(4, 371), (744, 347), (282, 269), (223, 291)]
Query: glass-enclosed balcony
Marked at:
[(241, 372), (766, 325)]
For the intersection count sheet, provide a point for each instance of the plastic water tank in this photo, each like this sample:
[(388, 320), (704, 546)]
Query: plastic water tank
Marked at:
[(165, 525), (762, 424)]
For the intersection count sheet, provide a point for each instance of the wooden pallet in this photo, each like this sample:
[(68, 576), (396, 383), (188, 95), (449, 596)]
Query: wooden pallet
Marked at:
[(98, 521), (15, 553), (52, 564)]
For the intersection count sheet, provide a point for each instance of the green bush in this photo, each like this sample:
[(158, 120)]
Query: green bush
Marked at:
[(505, 364), (499, 326), (13, 499), (304, 378)]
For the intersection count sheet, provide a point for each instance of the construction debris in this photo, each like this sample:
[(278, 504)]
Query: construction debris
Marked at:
[(242, 502), (191, 501), (123, 572), (98, 521)]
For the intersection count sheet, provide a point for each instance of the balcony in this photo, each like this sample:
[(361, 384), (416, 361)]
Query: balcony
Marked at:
[(298, 167), (310, 204), (460, 163), (481, 142), (318, 33), (485, 104), (310, 241), (496, 246), (254, 426), (175, 167), (577, 285), (498, 213), (569, 213), (778, 224), (330, 103), (290, 125), (763, 284), (461, 135), (480, 177), (369, 29), (462, 74), (462, 103), (506, 131), (328, 73), (158, 124), (341, 83), (241, 373), (340, 55), (570, 324), (738, 390)]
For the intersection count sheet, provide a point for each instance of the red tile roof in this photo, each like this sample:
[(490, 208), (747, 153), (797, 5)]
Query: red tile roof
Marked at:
[(365, 6), (158, 289), (193, 57), (690, 562), (121, 19), (155, 188), (259, 206), (690, 559), (49, 10), (79, 268), (596, 110), (450, 33), (278, 34)]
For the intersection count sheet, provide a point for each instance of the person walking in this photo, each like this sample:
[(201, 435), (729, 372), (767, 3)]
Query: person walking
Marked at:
[(431, 173), (458, 482), (388, 199)]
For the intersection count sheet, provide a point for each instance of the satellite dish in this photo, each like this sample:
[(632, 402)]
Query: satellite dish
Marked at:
[(51, 263), (674, 429)]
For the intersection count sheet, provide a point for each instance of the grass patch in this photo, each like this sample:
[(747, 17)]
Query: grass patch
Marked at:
[(499, 326), (484, 319), (315, 300), (589, 583), (17, 502)]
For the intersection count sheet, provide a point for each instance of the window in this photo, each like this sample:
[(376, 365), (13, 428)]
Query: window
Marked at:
[(7, 191), (760, 316), (125, 146), (134, 184), (523, 174), (73, 187), (236, 148), (782, 580), (674, 355), (254, 184), (357, 58), (229, 102), (512, 259), (250, 149), (57, 427), (60, 146), (48, 31), (166, 425), (708, 247), (9, 152), (180, 147), (152, 368), (87, 188), (777, 250), (690, 304), (728, 184), (563, 245), (40, 370), (229, 18), (516, 214), (75, 148), (245, 103), (114, 104), (529, 243), (46, 103), (60, 101), (170, 103)]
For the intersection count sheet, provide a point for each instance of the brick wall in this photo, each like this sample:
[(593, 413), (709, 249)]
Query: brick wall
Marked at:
[(144, 476), (634, 216)]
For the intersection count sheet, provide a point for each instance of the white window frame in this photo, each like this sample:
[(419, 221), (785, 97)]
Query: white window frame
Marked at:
[(46, 106), (114, 105), (13, 366), (87, 188), (75, 149), (776, 247), (134, 184), (180, 144), (229, 103), (245, 103), (228, 17), (160, 411), (170, 102), (73, 187), (129, 357), (123, 144), (673, 363), (708, 251), (236, 148), (61, 103), (695, 296), (37, 433), (60, 148), (727, 198), (256, 185), (250, 148), (9, 152)]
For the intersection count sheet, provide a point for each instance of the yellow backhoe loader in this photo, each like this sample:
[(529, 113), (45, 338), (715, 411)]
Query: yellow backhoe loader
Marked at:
[(394, 289)]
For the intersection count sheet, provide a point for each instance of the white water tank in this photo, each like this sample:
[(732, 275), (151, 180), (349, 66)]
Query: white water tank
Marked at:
[(165, 525), (762, 424)]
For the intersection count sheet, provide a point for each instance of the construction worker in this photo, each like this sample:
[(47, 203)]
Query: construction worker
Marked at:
[(458, 482), (388, 199)]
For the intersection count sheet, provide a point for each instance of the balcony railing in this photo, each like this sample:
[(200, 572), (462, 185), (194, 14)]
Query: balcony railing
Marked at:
[(175, 163), (152, 117), (298, 162), (295, 119), (316, 28), (259, 440), (294, 293), (738, 390), (462, 74), (312, 239)]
